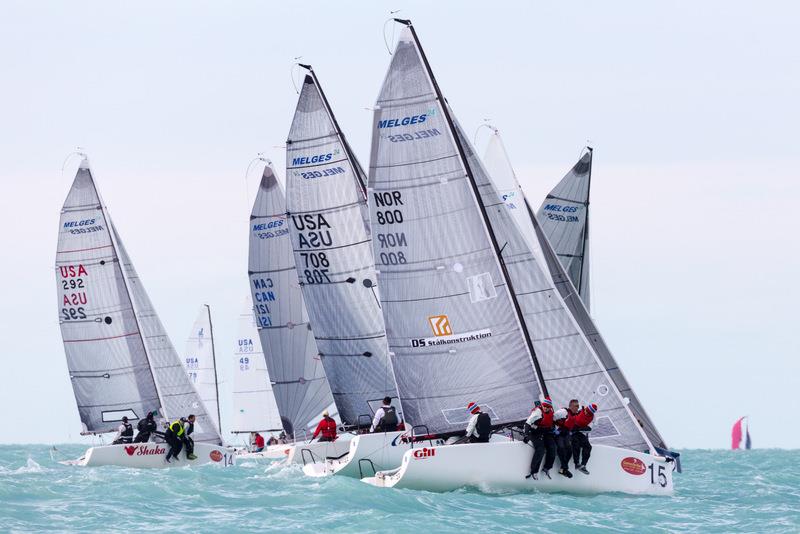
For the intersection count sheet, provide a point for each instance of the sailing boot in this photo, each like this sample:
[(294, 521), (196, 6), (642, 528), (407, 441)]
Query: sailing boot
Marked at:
[(583, 469), (194, 457), (533, 476), (565, 472), (547, 473)]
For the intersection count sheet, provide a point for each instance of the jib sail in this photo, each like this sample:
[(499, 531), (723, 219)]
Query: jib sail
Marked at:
[(200, 362)]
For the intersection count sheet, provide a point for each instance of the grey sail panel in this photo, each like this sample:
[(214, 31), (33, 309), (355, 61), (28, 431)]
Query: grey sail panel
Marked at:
[(333, 254), (179, 398), (106, 358), (564, 218), (453, 333), (298, 379)]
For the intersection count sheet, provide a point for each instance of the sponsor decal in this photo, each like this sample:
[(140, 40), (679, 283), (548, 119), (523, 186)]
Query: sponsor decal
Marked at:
[(440, 325), (85, 222), (144, 450), (403, 121), (424, 452), (215, 455), (449, 340), (634, 466), (315, 158)]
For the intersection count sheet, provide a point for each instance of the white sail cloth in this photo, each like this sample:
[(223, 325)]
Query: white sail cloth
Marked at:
[(298, 379), (454, 336), (121, 361), (332, 251), (199, 362), (254, 404)]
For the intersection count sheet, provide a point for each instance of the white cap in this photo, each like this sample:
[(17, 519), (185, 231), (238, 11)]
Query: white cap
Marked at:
[(559, 414)]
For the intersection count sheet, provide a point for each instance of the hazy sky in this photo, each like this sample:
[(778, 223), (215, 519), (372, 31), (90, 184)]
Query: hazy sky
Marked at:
[(692, 109)]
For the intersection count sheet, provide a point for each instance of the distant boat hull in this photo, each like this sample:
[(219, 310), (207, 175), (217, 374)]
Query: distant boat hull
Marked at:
[(502, 466), (152, 455), (318, 452), (368, 453), (273, 452)]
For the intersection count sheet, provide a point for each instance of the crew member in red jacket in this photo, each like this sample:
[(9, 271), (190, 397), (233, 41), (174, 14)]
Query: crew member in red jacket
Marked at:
[(327, 427), (578, 422)]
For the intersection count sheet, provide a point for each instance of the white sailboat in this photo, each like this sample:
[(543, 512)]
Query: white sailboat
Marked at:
[(298, 379), (474, 316), (201, 364), (329, 228), (121, 361)]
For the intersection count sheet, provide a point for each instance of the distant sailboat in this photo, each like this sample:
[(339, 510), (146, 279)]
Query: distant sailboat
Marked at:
[(737, 434), (120, 358), (201, 364)]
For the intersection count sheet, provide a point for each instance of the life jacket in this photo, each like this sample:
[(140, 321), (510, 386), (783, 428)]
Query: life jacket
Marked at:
[(582, 420), (177, 431), (146, 425), (546, 421), (260, 441), (189, 428), (484, 426), (389, 419), (328, 428), (128, 432)]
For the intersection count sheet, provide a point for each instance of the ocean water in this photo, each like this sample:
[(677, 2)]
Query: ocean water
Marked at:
[(719, 491)]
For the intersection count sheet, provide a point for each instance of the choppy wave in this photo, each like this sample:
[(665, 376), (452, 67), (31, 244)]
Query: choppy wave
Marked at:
[(719, 491)]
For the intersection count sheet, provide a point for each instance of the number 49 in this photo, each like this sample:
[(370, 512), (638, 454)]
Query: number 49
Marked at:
[(662, 476)]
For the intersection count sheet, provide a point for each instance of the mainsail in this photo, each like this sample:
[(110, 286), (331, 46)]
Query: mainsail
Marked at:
[(453, 329), (200, 362), (327, 209), (298, 380), (564, 218), (120, 359), (254, 404), (587, 373)]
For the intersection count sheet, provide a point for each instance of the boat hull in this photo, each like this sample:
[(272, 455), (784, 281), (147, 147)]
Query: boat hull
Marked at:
[(317, 452), (381, 451), (273, 452), (499, 466), (152, 455)]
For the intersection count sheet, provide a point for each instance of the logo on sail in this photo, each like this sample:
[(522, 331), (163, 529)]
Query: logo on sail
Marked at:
[(440, 325)]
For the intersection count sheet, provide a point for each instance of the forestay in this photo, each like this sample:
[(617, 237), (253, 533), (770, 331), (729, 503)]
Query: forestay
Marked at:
[(254, 404), (564, 218), (298, 379), (327, 211), (105, 354), (199, 362), (454, 336)]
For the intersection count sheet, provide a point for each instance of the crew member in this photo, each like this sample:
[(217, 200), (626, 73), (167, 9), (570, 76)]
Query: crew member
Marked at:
[(174, 438), (563, 440), (146, 427), (479, 429), (579, 424), (327, 427), (385, 419), (124, 432), (539, 430), (258, 442), (188, 441)]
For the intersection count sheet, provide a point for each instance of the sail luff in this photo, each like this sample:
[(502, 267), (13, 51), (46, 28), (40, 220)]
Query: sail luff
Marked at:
[(479, 202), (583, 278)]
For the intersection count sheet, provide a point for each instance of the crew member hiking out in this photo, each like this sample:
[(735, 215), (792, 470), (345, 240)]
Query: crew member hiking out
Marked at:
[(479, 429), (174, 438), (385, 419), (146, 428), (124, 432), (579, 424), (326, 427), (188, 441), (563, 440), (539, 430)]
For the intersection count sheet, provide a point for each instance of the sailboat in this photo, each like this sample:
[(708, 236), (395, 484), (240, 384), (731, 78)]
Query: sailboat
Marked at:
[(472, 316), (298, 379), (201, 364), (329, 228), (254, 406), (737, 434), (120, 359)]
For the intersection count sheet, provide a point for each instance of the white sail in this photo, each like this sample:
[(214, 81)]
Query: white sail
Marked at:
[(254, 404), (298, 379), (200, 362), (111, 330), (332, 250)]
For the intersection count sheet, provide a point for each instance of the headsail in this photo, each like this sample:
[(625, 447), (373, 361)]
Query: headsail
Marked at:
[(564, 218), (116, 345), (454, 335), (298, 380), (254, 404), (200, 362), (327, 211)]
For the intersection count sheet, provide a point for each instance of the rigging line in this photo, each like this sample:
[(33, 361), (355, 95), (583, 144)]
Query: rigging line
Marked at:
[(486, 124)]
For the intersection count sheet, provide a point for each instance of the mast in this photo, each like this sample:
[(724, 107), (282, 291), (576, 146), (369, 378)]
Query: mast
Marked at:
[(586, 226), (125, 283), (345, 144), (214, 364), (481, 207)]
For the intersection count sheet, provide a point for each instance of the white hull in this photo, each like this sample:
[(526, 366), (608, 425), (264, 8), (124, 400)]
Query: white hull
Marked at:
[(503, 466), (382, 450), (273, 452), (151, 454), (317, 452)]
